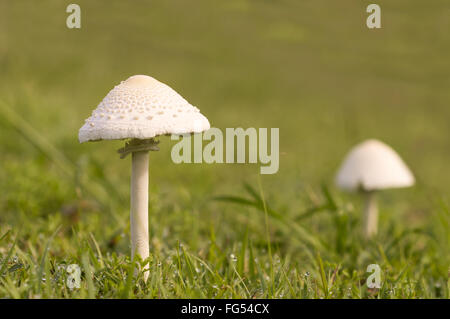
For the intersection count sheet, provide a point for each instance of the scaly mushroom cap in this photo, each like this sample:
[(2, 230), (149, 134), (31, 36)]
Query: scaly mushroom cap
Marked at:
[(373, 165), (142, 107)]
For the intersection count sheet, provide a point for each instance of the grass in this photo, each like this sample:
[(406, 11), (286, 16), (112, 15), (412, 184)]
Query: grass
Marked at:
[(224, 231)]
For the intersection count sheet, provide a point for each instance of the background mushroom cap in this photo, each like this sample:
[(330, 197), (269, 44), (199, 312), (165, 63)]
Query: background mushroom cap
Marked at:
[(373, 165), (142, 107)]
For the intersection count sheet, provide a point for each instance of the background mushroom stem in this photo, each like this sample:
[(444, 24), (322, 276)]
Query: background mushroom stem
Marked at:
[(370, 214), (139, 206)]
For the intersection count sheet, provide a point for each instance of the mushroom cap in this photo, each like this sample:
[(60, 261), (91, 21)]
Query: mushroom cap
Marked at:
[(141, 107), (373, 165)]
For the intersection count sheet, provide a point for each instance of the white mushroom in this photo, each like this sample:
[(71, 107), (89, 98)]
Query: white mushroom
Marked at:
[(371, 166), (141, 108)]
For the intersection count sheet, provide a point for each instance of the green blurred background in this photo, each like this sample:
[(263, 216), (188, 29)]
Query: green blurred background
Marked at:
[(311, 68)]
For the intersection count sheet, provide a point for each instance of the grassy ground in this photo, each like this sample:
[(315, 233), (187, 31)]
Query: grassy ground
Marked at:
[(311, 68)]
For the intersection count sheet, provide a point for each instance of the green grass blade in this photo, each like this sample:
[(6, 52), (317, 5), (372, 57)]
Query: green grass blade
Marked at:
[(89, 275)]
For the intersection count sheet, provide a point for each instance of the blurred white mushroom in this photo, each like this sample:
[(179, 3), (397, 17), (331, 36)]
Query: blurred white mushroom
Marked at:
[(141, 108), (371, 166)]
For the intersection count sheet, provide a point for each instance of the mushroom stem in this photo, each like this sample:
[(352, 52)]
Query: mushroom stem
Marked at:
[(139, 206), (370, 214)]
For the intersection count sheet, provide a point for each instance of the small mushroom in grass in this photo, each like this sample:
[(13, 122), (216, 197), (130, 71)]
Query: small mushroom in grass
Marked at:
[(369, 167), (139, 109)]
